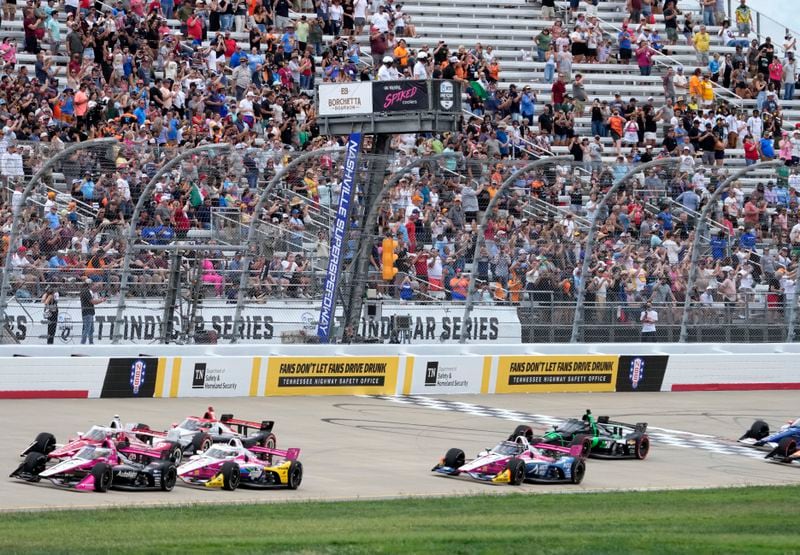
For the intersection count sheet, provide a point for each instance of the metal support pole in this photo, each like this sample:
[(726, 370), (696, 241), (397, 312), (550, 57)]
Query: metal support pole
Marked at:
[(577, 321), (131, 239), (695, 252), (361, 263), (793, 314), (12, 236), (480, 240), (251, 232)]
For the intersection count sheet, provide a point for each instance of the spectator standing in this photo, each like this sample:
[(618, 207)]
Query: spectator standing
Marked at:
[(702, 44), (50, 302), (789, 76), (648, 318), (89, 299)]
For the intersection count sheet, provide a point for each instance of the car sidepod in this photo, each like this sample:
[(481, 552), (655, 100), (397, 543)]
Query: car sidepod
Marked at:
[(557, 472), (287, 474), (152, 476)]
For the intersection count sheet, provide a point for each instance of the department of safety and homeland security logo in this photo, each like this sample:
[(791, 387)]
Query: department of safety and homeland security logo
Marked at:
[(138, 370), (636, 373)]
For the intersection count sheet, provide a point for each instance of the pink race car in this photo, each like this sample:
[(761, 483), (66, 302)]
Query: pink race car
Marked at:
[(230, 465), (100, 466), (514, 462), (123, 436)]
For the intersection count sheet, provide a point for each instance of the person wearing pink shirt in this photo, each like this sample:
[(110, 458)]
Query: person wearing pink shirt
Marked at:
[(776, 73)]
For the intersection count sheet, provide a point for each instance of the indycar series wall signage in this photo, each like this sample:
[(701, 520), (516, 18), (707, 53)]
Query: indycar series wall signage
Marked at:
[(130, 377), (331, 375), (554, 373), (641, 373)]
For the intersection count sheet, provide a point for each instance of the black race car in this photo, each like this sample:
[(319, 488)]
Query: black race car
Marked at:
[(608, 439)]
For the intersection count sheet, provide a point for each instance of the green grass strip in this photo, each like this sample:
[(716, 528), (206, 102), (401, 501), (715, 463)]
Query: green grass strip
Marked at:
[(720, 521)]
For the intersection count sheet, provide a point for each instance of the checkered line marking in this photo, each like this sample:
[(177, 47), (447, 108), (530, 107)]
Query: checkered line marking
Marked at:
[(673, 438)]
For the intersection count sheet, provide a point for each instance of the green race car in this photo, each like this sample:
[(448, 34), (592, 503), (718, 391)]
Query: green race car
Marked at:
[(608, 439)]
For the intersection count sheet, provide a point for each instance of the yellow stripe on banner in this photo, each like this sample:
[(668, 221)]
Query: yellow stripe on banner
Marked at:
[(176, 377), (160, 376), (409, 375), (254, 375), (487, 371)]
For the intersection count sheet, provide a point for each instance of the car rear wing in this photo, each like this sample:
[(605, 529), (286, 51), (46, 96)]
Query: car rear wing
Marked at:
[(290, 454), (577, 450), (640, 427), (243, 425), (146, 432)]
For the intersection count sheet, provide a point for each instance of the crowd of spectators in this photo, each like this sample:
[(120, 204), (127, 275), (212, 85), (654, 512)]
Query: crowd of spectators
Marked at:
[(244, 73)]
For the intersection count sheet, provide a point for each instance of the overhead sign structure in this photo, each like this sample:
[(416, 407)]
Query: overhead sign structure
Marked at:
[(328, 307)]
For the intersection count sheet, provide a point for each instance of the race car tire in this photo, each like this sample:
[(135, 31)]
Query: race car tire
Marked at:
[(174, 453), (169, 476), (642, 447), (34, 463), (516, 468), (585, 442), (44, 443), (270, 441), (102, 477), (142, 437), (454, 458), (295, 475), (521, 430), (578, 469), (786, 447), (759, 430), (201, 442), (231, 475)]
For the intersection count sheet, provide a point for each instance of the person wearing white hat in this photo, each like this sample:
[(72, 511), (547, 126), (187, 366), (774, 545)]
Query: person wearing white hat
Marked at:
[(420, 69), (387, 71)]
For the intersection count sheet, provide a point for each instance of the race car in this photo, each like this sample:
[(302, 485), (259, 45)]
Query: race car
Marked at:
[(782, 444), (231, 465), (98, 467), (45, 442), (197, 434), (517, 461), (608, 439)]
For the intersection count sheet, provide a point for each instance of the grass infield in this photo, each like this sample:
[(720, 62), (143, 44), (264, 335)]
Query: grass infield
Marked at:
[(740, 520)]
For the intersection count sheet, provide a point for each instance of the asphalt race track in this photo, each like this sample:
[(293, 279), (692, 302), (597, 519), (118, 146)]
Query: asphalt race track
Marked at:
[(365, 447)]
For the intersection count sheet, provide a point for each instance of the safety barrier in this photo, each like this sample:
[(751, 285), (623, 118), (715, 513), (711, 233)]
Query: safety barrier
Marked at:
[(233, 371)]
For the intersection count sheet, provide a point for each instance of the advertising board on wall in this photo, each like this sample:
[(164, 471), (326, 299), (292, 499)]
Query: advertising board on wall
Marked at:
[(447, 375), (400, 96), (130, 377), (214, 376), (556, 373), (344, 99), (343, 375)]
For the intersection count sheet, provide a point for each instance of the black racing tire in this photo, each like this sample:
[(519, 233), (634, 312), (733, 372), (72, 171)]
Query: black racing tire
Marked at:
[(169, 477), (231, 475), (454, 458), (786, 447), (174, 453), (585, 442), (102, 477), (759, 430), (578, 469), (201, 442), (516, 467), (34, 463), (642, 447), (295, 475), (44, 443), (270, 442), (521, 430)]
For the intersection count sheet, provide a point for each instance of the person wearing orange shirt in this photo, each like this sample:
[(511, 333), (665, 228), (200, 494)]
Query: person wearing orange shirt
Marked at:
[(401, 54), (81, 106), (695, 84), (615, 124)]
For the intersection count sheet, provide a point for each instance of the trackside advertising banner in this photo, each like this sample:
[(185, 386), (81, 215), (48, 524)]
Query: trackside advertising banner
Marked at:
[(342, 375), (130, 377), (641, 373), (556, 373), (326, 312), (448, 375)]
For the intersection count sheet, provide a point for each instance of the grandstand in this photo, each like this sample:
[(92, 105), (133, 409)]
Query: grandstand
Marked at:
[(209, 203)]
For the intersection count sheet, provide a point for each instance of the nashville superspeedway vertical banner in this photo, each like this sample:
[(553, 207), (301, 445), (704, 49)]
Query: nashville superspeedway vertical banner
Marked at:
[(556, 373), (342, 375)]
